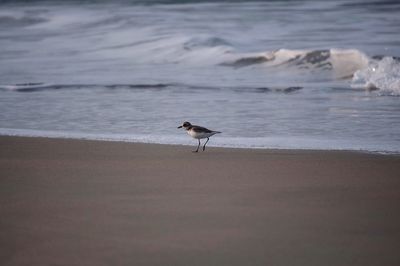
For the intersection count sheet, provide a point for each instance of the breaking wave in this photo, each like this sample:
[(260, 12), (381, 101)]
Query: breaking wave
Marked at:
[(344, 63), (382, 75), (372, 73)]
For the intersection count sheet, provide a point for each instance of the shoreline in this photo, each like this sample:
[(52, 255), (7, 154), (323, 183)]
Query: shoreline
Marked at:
[(84, 202), (22, 133)]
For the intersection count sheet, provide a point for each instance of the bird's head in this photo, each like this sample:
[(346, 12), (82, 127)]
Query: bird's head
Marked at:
[(185, 125)]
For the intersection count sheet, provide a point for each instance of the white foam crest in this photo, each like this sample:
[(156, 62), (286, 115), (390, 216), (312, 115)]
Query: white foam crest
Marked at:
[(284, 55), (383, 75), (346, 62), (341, 63)]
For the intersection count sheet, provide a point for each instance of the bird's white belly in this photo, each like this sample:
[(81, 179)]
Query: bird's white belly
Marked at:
[(199, 135)]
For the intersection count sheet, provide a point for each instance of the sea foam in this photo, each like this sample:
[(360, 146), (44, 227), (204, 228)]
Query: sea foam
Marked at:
[(382, 75)]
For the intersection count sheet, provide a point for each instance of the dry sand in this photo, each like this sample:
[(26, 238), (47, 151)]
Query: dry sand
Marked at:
[(76, 202)]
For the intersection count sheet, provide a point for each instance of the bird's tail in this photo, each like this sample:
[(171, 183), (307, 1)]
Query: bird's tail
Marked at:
[(216, 132)]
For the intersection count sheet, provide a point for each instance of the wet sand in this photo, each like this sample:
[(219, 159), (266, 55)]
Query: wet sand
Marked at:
[(78, 202)]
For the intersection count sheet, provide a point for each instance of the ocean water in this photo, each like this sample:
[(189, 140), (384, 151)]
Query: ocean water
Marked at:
[(268, 74)]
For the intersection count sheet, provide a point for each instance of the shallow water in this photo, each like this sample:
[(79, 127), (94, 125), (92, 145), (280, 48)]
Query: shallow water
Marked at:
[(282, 74)]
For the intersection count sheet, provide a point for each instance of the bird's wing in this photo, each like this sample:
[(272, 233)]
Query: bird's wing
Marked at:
[(201, 129)]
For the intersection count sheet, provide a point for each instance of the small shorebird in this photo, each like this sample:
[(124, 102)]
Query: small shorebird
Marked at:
[(198, 133)]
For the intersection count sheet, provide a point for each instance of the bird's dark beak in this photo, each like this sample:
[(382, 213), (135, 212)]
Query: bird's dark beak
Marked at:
[(180, 127)]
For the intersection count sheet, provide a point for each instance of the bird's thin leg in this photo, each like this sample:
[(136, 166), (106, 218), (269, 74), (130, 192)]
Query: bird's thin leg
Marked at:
[(204, 147), (197, 147)]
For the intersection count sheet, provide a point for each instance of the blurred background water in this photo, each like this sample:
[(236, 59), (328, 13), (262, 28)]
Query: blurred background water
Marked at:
[(276, 74)]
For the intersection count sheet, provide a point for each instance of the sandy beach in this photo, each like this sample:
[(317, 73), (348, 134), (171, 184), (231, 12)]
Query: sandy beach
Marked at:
[(79, 202)]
